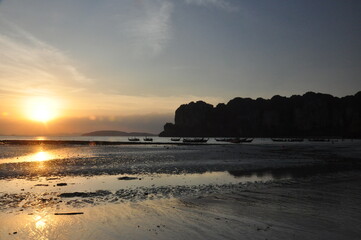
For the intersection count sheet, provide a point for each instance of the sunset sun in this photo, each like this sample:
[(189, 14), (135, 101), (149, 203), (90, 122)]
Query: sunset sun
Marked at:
[(41, 109)]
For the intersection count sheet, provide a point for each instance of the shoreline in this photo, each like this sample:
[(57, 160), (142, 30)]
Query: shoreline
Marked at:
[(93, 143), (158, 141)]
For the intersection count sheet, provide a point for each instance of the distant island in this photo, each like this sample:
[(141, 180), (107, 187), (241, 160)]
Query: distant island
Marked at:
[(116, 133), (309, 115)]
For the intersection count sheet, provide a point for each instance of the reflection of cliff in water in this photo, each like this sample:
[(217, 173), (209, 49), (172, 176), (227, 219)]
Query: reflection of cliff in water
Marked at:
[(301, 171), (312, 114)]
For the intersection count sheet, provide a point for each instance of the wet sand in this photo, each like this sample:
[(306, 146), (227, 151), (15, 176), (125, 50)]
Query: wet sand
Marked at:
[(319, 208), (279, 191)]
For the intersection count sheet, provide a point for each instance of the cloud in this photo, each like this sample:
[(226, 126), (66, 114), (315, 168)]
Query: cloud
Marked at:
[(223, 4), (29, 65), (152, 30)]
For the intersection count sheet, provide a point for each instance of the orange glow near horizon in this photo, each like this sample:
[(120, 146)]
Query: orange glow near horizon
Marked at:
[(41, 109)]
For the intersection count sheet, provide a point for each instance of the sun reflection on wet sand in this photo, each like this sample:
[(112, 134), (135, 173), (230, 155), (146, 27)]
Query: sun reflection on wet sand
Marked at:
[(39, 156), (40, 222)]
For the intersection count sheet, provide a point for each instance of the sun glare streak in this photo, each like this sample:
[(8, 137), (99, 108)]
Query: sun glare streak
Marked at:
[(40, 138), (41, 109), (41, 156), (40, 222)]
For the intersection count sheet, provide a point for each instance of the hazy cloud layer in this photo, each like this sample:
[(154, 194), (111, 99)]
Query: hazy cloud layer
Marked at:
[(223, 4), (29, 65), (152, 123), (152, 30)]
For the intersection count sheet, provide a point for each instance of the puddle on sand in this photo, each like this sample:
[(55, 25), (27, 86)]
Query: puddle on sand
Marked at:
[(112, 183)]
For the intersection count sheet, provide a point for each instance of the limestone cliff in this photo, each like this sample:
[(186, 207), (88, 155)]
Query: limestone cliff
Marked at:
[(312, 114)]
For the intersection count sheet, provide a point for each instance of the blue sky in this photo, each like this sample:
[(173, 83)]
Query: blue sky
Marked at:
[(146, 57)]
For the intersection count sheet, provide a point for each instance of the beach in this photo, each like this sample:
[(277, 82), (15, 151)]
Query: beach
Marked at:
[(262, 190), (180, 119)]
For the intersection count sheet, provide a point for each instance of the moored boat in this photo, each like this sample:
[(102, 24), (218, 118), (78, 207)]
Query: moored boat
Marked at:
[(232, 140), (287, 139), (279, 139), (241, 140), (318, 140), (148, 139), (133, 139), (195, 140), (295, 139)]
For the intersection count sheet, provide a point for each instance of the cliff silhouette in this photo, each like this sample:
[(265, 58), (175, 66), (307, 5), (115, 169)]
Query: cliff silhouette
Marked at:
[(309, 115)]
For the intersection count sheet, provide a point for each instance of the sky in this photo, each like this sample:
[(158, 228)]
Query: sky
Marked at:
[(128, 64)]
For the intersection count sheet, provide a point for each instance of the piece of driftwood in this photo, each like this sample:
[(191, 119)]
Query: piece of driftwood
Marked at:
[(127, 178), (69, 213), (61, 184)]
